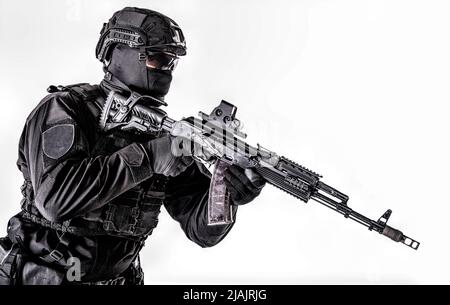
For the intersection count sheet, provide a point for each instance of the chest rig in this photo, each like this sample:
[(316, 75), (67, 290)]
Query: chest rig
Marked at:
[(133, 214)]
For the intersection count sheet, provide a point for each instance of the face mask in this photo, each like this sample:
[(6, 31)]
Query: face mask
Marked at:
[(158, 82), (125, 66)]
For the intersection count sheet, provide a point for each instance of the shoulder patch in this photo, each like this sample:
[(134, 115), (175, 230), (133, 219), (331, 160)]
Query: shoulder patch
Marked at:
[(58, 140)]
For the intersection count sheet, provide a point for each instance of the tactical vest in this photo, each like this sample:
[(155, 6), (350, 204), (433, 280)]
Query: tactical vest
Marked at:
[(133, 214)]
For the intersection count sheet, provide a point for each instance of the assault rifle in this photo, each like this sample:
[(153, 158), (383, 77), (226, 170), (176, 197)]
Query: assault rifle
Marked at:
[(217, 138)]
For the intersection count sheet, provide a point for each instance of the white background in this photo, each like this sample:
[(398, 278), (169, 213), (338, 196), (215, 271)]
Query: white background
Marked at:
[(356, 90)]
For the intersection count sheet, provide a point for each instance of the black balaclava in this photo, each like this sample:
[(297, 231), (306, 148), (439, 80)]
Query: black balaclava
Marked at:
[(125, 41), (125, 66)]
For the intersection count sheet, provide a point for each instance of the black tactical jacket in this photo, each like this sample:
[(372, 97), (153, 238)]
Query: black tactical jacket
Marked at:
[(98, 189)]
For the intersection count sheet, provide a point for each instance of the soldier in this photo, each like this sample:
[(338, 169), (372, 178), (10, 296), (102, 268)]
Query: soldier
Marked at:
[(95, 196)]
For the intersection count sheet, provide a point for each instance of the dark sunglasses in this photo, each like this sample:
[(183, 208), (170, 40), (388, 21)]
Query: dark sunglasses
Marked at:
[(161, 60)]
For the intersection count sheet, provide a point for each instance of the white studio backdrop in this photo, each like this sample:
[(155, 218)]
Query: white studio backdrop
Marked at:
[(355, 90)]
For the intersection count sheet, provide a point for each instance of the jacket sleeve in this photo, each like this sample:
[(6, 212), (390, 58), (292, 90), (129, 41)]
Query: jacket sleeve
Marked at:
[(55, 154), (187, 202)]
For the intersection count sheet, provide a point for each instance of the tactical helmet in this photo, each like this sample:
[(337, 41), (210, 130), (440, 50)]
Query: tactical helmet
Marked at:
[(140, 28), (139, 49)]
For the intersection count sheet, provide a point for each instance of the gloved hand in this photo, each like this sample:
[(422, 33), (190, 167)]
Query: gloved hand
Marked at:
[(163, 157), (244, 184)]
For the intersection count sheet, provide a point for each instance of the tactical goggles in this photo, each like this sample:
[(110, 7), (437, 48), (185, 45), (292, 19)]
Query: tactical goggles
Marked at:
[(161, 60)]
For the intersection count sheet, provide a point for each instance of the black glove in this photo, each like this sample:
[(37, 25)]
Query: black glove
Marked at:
[(244, 184), (164, 159)]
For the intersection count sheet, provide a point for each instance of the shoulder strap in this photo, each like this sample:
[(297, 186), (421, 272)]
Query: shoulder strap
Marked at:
[(89, 94), (84, 91), (59, 253)]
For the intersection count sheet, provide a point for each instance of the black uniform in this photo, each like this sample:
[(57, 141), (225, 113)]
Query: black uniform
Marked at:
[(101, 192), (95, 195)]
